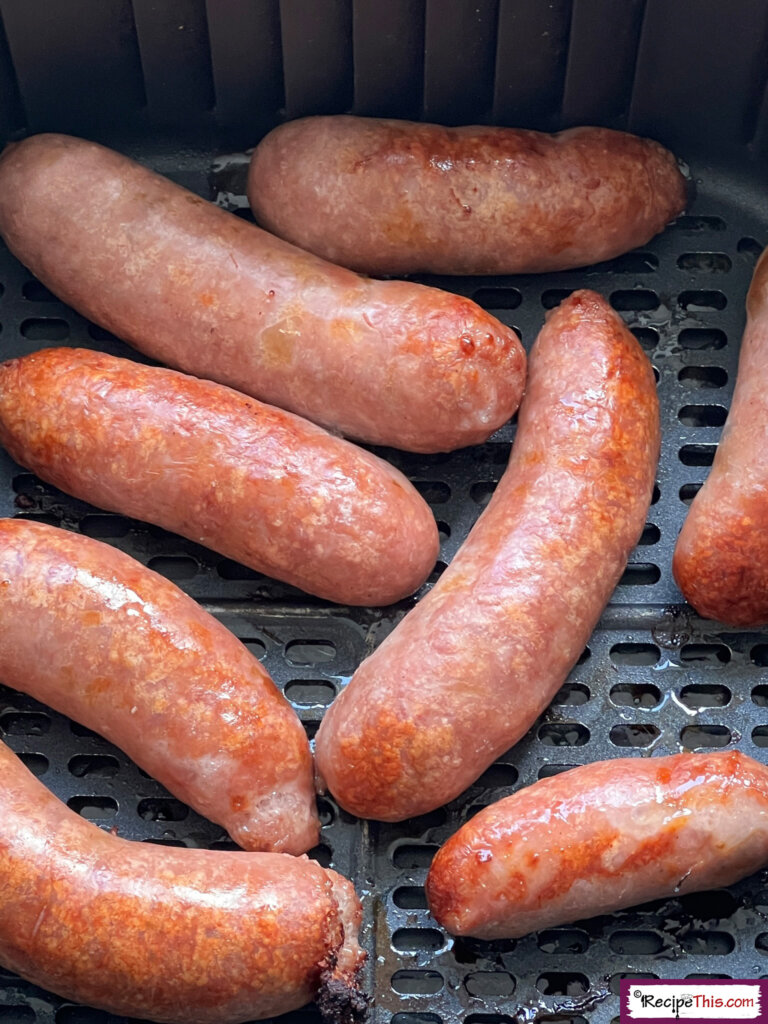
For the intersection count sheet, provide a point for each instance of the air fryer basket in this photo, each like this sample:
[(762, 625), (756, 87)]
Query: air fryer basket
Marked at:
[(179, 82)]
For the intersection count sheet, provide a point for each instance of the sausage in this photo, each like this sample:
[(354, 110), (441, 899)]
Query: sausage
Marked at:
[(389, 362), (97, 636), (174, 935), (256, 484), (599, 838), (721, 556), (468, 670), (397, 197)]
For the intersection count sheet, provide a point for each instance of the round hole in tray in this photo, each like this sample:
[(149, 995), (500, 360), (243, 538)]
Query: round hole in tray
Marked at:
[(628, 735), (703, 415), (640, 574), (635, 300), (417, 940), (310, 691), (481, 492), (615, 980), (310, 652), (562, 941), (162, 809), (571, 695), (25, 723), (688, 492), (640, 942), (711, 905), (705, 695), (749, 246), (99, 766), (706, 654), (548, 771), (48, 328), (489, 983), (38, 764), (562, 983), (95, 808), (758, 655), (632, 263), (697, 454), (35, 291), (410, 897), (701, 300), (705, 262), (563, 734), (552, 297), (17, 1013), (647, 336), (635, 654), (694, 224), (635, 695), (174, 567), (492, 1018), (705, 737), (498, 776), (105, 527), (420, 1017), (701, 339), (411, 856), (497, 298), (708, 943), (417, 982), (704, 377), (434, 492)]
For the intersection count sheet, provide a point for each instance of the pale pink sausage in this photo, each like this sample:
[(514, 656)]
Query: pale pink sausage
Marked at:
[(259, 485), (388, 362), (97, 636), (170, 935), (468, 670), (398, 197), (721, 557), (599, 838)]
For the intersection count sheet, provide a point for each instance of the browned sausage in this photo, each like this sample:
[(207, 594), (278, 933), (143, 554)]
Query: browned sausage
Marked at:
[(257, 484), (721, 558), (388, 362), (601, 837), (97, 636), (469, 669), (397, 197), (187, 936)]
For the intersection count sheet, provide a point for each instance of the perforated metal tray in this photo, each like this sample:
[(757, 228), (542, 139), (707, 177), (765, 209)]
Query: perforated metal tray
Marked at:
[(654, 679)]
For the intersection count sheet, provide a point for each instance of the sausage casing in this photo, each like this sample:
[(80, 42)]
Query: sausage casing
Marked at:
[(468, 670), (721, 557), (188, 936), (601, 837), (257, 484), (99, 637), (389, 362), (398, 197)]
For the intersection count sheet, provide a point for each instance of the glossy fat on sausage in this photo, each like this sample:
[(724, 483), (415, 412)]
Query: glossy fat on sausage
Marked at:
[(172, 935), (387, 362), (398, 197), (89, 631), (601, 837), (256, 484), (721, 557), (469, 669)]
